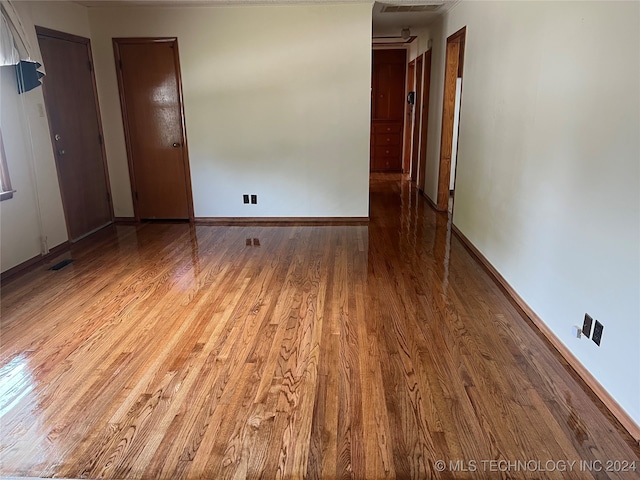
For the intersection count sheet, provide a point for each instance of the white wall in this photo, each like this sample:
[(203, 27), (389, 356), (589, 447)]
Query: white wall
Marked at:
[(420, 44), (548, 175), (25, 127), (435, 34), (276, 101), (19, 230)]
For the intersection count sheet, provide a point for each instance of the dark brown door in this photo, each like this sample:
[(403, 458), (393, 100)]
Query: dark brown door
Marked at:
[(151, 99), (415, 154), (387, 109), (426, 87), (72, 107)]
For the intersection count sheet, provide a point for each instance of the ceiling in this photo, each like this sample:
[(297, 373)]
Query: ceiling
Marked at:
[(387, 22), (414, 14)]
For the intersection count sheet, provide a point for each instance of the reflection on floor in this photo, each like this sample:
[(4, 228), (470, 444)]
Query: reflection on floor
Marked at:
[(379, 351)]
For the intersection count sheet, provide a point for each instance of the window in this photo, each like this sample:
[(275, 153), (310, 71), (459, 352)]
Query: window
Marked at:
[(6, 191)]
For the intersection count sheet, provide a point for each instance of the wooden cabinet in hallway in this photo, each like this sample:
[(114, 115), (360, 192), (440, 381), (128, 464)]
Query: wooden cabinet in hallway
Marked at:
[(387, 109)]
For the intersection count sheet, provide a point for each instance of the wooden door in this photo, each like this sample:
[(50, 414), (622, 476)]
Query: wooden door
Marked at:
[(151, 100), (415, 154), (387, 109), (408, 124), (426, 87), (72, 108), (453, 69)]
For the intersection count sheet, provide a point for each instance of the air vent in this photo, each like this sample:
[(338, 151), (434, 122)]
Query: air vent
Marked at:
[(410, 8)]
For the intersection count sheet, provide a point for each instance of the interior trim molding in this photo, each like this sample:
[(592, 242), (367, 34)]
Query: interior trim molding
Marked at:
[(431, 203), (610, 403), (276, 221), (34, 262), (125, 220)]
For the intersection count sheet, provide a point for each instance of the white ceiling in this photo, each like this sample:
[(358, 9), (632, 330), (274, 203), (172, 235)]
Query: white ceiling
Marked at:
[(387, 24), (384, 23)]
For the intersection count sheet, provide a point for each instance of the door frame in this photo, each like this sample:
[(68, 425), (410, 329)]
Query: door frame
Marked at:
[(424, 129), (48, 32), (127, 134), (417, 121), (453, 64), (408, 126)]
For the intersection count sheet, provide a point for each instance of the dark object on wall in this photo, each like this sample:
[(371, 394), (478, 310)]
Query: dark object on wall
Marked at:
[(411, 98), (28, 75)]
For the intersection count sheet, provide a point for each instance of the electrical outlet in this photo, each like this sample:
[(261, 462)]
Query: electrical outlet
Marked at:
[(254, 199), (586, 325), (245, 198), (597, 333)]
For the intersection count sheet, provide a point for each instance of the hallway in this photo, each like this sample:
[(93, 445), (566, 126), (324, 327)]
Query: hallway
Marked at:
[(318, 351)]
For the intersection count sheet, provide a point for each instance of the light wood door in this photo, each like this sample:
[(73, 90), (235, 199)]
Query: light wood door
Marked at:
[(453, 70), (424, 128), (72, 108), (151, 99)]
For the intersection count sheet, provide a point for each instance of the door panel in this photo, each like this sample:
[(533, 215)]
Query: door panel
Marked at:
[(411, 77), (426, 81), (387, 108), (69, 92), (416, 121), (152, 109), (448, 108)]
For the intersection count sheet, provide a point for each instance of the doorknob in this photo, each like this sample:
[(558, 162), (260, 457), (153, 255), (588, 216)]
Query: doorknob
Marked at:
[(176, 144), (57, 137)]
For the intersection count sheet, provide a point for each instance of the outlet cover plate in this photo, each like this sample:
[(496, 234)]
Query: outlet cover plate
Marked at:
[(597, 333), (586, 325)]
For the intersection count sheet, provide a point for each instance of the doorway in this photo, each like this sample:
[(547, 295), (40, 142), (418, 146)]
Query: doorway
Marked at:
[(415, 151), (451, 102), (424, 128), (408, 124), (151, 99), (76, 132)]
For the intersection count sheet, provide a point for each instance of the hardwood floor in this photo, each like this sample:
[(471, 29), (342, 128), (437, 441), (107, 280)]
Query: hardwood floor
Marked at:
[(173, 351)]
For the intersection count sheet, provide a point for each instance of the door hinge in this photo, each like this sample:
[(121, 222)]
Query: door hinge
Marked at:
[(108, 197), (100, 139), (136, 193), (90, 66), (120, 64)]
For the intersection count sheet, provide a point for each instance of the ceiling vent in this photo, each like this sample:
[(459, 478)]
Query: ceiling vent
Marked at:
[(410, 8)]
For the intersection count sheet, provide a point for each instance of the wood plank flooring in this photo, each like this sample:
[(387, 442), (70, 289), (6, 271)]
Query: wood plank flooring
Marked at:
[(173, 351)]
